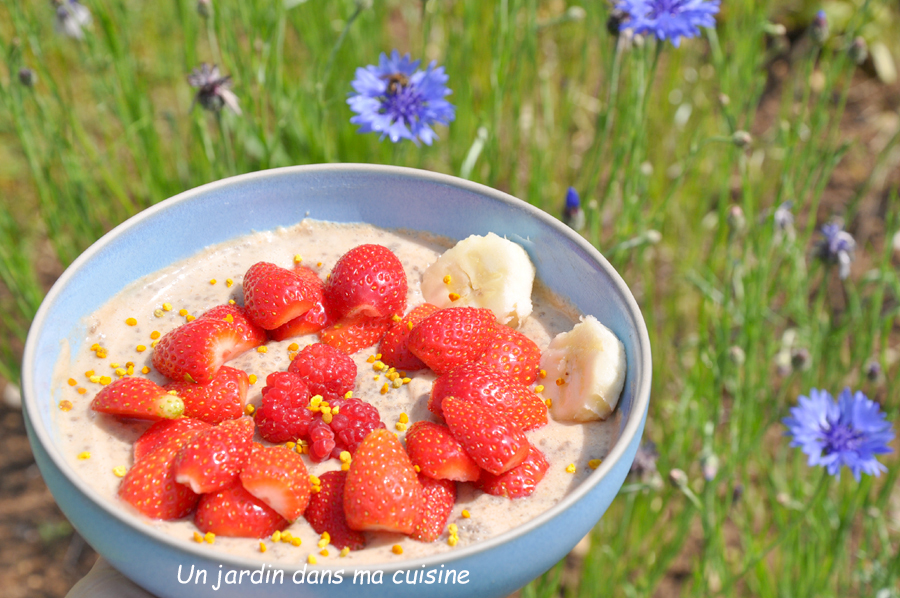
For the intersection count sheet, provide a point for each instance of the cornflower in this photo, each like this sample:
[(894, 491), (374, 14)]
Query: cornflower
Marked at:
[(71, 18), (668, 19), (573, 215), (837, 247), (213, 90)]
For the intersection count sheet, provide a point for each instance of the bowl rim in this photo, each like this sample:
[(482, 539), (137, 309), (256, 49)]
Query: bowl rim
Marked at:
[(132, 520)]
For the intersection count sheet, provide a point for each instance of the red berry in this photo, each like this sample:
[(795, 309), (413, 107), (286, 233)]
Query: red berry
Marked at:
[(511, 352), (234, 512), (352, 423), (439, 498), (220, 399), (367, 281), (215, 457), (278, 477), (325, 512), (520, 480), (327, 371), (139, 398), (352, 335), (167, 431), (239, 319), (150, 486), (452, 336), (438, 454), (283, 415), (274, 295), (395, 344), (320, 439), (382, 491), (489, 437), (314, 320), (195, 351)]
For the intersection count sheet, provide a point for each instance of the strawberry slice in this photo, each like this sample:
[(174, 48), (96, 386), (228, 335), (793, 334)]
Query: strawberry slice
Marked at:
[(327, 371), (139, 398), (438, 454), (325, 512), (382, 491), (252, 335), (150, 486), (452, 336), (234, 512), (274, 295), (284, 415), (215, 457), (178, 431), (220, 399), (367, 281), (493, 441), (439, 498), (395, 344), (353, 335), (519, 481), (314, 320), (511, 352), (195, 351), (278, 477), (481, 384)]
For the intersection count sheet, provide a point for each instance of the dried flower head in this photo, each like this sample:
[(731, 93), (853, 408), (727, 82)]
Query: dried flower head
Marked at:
[(837, 247), (71, 18), (669, 19), (399, 100), (213, 90)]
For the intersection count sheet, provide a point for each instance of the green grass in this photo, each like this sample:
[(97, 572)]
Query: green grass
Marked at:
[(545, 99)]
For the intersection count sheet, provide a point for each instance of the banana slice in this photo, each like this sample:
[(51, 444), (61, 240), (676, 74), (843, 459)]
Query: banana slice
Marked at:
[(488, 271), (585, 372)]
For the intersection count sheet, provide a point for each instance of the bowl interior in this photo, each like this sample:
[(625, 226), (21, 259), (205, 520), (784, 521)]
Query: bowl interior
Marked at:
[(389, 197)]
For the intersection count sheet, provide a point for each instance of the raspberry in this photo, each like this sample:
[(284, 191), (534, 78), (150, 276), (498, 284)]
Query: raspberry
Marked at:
[(321, 441), (354, 420), (327, 371), (284, 415)]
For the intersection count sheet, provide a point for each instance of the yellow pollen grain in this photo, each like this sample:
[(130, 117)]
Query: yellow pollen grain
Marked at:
[(410, 325), (349, 394), (345, 456), (595, 463), (378, 366), (453, 296), (384, 389), (65, 405), (158, 313), (327, 417), (447, 279), (209, 537), (296, 541), (315, 481), (262, 349), (345, 551), (262, 547), (344, 467), (81, 391), (72, 382), (154, 335), (198, 537), (322, 544), (104, 380), (229, 283), (286, 537), (542, 373), (231, 302), (298, 258), (189, 318), (174, 393), (466, 514), (154, 343), (114, 365), (140, 348), (249, 409), (452, 540), (323, 552), (401, 427), (560, 381), (229, 318), (276, 537), (89, 373), (95, 346), (84, 456), (212, 281), (406, 380), (570, 468), (335, 410), (95, 379), (131, 321), (293, 347), (397, 383), (417, 468), (182, 312), (252, 378), (167, 306), (370, 359), (319, 264), (397, 549), (539, 388), (548, 403), (119, 471), (145, 369), (395, 318), (311, 559), (453, 529), (404, 419), (121, 372)]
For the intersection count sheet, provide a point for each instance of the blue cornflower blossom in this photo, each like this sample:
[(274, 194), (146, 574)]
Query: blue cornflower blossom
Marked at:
[(849, 431), (669, 19), (837, 247), (573, 215), (399, 100), (71, 18)]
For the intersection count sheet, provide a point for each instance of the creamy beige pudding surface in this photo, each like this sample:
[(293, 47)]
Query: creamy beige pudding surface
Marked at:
[(201, 282)]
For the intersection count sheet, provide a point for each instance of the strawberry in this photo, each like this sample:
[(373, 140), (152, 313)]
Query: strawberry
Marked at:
[(216, 401), (511, 352), (354, 335), (327, 371), (139, 398), (274, 295), (493, 441), (178, 431), (367, 281), (519, 481), (479, 383), (439, 498), (252, 335), (150, 486), (195, 351), (278, 477), (452, 336), (395, 344), (215, 457), (382, 491), (314, 320), (284, 415), (325, 512), (437, 454), (234, 512)]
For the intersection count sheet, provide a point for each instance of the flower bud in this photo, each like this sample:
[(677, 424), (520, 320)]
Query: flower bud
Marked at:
[(27, 77), (858, 50), (742, 139), (678, 478)]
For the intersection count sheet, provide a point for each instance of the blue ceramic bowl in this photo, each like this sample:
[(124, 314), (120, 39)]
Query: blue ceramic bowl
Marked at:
[(389, 197)]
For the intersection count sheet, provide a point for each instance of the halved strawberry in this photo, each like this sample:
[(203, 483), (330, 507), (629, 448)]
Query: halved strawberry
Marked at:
[(356, 334), (215, 457), (395, 344), (452, 336), (325, 512), (519, 481), (150, 486), (274, 295), (195, 351), (481, 384), (283, 415), (367, 281), (234, 512), (493, 441), (237, 316), (139, 398), (511, 352), (277, 476), (167, 431), (438, 454), (327, 371), (440, 496), (382, 491), (220, 399), (314, 320)]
